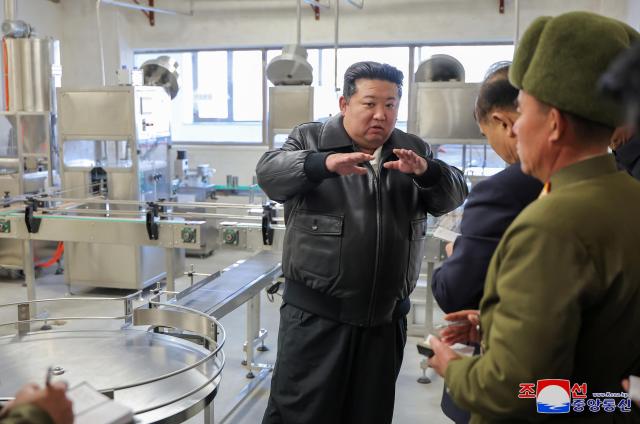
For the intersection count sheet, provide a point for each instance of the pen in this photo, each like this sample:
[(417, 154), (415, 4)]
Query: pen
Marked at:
[(460, 323), (49, 374)]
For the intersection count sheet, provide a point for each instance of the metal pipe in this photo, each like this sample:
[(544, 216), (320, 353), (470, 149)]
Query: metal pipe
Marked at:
[(100, 43), (146, 8), (49, 213), (10, 10), (335, 47), (353, 3), (265, 102), (299, 15), (144, 204), (315, 4), (411, 87)]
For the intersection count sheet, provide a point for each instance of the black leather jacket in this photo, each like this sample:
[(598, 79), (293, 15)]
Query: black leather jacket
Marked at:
[(353, 244)]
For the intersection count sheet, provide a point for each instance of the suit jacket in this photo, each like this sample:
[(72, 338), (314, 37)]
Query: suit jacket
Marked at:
[(628, 157), (561, 300), (491, 207)]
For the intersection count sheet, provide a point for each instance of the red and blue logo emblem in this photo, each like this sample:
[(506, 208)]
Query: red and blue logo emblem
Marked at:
[(553, 396)]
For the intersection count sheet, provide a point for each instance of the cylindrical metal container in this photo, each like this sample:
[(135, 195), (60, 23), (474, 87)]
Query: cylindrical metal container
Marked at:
[(13, 80), (29, 79), (28, 96)]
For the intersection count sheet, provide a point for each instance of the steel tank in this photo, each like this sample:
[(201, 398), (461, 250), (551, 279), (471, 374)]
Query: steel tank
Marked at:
[(29, 80)]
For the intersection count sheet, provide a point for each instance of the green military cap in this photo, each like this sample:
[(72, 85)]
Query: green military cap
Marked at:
[(560, 59)]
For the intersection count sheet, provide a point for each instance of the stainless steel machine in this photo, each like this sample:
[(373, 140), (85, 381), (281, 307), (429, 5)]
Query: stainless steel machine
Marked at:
[(291, 100), (115, 143), (163, 357), (196, 186), (443, 104), (28, 147)]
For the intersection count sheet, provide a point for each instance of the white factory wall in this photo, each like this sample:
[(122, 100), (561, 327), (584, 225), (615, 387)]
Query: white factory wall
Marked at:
[(239, 23), (46, 17), (272, 22)]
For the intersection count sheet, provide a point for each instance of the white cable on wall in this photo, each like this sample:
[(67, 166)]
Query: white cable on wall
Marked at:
[(335, 47), (100, 43), (299, 24)]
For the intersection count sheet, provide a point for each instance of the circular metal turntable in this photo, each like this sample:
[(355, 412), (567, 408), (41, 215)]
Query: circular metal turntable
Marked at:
[(163, 373)]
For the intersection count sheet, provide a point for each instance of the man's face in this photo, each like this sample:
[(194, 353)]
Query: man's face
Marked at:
[(371, 112), (533, 131)]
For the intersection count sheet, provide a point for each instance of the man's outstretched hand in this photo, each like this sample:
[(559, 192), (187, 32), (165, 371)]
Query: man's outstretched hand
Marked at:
[(408, 162), (347, 163)]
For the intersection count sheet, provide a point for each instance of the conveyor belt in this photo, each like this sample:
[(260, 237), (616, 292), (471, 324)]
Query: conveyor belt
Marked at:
[(219, 295)]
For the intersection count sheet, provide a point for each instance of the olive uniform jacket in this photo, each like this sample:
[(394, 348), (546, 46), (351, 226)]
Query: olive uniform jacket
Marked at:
[(562, 299), (26, 414)]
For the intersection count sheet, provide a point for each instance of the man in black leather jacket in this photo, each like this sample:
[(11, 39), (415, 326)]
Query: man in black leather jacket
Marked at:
[(356, 192)]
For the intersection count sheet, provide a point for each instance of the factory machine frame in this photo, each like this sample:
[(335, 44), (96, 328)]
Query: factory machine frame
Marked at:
[(156, 391), (154, 224)]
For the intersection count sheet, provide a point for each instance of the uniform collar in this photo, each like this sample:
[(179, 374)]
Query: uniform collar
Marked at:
[(584, 170)]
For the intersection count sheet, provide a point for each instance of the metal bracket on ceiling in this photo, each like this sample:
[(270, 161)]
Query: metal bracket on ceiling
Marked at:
[(150, 14), (315, 6)]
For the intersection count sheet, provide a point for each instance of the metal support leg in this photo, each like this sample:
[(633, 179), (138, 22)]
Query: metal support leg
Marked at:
[(424, 365), (208, 414), (171, 283), (428, 306), (253, 326), (24, 314), (29, 273)]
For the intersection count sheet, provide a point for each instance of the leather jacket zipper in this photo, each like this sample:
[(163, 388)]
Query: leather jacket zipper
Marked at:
[(376, 186)]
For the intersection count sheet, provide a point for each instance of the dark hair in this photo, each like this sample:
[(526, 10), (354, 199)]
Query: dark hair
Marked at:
[(370, 70), (495, 92)]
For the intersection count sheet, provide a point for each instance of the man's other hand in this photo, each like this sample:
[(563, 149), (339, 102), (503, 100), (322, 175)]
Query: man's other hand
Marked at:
[(347, 163), (52, 399), (625, 386), (448, 248), (408, 162), (465, 329), (443, 355)]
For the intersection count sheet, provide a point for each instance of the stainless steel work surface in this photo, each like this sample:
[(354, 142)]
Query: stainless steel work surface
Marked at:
[(108, 359), (234, 287)]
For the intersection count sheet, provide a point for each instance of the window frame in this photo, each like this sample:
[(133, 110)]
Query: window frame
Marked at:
[(411, 62), (194, 71)]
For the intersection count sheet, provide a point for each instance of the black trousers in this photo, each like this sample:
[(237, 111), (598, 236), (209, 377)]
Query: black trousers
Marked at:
[(328, 372)]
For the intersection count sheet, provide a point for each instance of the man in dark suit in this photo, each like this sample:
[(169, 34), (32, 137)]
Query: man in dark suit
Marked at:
[(491, 207)]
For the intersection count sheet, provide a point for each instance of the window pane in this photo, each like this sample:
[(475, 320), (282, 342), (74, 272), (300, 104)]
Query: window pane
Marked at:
[(247, 85), (211, 96), (475, 59), (325, 97)]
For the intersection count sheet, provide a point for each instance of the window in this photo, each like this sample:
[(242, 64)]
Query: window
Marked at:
[(327, 89), (220, 98), (475, 59)]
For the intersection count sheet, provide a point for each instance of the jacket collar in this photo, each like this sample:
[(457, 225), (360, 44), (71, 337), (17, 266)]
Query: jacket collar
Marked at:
[(584, 170), (333, 135)]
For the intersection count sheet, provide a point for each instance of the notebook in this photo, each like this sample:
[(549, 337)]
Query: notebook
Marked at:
[(92, 407)]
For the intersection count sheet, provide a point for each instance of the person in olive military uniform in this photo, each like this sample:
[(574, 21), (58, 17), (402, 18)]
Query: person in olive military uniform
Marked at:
[(35, 405), (562, 294)]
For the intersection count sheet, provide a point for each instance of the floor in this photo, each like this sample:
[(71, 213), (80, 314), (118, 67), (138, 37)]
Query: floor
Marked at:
[(415, 403)]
